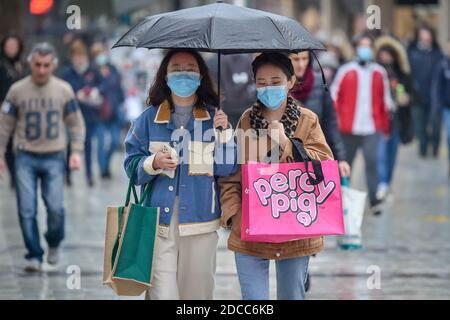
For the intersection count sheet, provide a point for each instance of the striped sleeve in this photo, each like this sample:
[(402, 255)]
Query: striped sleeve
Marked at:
[(75, 123), (8, 108), (70, 107), (8, 118)]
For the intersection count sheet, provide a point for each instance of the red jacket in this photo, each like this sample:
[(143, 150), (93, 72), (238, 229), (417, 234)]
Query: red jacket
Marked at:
[(362, 98)]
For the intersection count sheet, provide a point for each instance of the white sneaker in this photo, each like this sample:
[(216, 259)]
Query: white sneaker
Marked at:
[(33, 265), (382, 191), (53, 256)]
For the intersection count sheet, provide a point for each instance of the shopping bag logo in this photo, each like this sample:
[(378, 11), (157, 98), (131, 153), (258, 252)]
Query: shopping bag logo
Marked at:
[(293, 193)]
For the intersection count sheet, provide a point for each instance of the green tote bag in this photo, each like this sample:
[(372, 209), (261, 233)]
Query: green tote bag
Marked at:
[(130, 239)]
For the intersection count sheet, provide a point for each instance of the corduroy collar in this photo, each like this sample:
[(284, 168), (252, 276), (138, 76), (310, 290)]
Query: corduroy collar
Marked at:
[(164, 112)]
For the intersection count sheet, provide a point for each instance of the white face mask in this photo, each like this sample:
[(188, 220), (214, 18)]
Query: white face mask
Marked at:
[(82, 69)]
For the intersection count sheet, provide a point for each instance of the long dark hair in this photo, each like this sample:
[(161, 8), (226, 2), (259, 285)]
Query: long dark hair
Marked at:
[(277, 59), (395, 57), (432, 31), (160, 91), (18, 56)]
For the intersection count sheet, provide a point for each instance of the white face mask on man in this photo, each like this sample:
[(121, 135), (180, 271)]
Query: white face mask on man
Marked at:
[(364, 53), (82, 68)]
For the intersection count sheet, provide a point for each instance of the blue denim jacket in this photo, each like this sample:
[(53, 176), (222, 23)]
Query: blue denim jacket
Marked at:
[(199, 206)]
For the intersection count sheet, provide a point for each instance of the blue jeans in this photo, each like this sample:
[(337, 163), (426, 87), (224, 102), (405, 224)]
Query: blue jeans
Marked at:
[(369, 146), (387, 156), (49, 170), (105, 152), (253, 273), (446, 113)]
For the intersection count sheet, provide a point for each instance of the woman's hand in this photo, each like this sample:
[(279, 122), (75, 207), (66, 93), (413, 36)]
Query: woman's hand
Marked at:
[(163, 160), (104, 71), (220, 119), (344, 169), (276, 130), (90, 96), (404, 100)]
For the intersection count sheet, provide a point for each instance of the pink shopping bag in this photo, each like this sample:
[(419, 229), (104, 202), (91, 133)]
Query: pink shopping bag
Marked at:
[(280, 204)]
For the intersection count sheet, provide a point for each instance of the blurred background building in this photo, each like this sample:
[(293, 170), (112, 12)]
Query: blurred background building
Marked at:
[(334, 22), (34, 18)]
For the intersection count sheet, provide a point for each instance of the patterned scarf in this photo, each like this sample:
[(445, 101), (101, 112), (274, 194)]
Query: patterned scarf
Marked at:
[(289, 120)]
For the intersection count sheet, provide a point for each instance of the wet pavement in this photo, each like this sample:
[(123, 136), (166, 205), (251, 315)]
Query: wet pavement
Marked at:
[(407, 248)]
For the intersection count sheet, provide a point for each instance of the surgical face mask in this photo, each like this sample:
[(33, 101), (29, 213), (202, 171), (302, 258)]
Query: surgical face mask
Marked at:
[(272, 96), (183, 83), (101, 59), (82, 68), (364, 53)]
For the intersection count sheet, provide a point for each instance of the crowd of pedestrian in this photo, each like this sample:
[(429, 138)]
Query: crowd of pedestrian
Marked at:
[(380, 99)]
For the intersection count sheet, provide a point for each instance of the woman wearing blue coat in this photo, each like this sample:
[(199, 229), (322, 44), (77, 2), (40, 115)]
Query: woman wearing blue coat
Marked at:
[(182, 155)]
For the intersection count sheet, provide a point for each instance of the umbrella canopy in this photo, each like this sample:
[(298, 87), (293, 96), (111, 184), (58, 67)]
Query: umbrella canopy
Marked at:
[(221, 28)]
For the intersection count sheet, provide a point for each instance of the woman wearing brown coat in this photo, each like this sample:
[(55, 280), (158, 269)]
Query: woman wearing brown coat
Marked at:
[(271, 121)]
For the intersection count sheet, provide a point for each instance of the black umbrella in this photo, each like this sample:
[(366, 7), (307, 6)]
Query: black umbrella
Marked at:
[(221, 28)]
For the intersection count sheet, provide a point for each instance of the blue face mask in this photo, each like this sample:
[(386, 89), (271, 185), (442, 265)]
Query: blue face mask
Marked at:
[(271, 96), (364, 53), (101, 59), (183, 83)]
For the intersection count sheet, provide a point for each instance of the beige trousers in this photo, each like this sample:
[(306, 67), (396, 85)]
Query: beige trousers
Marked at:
[(184, 267)]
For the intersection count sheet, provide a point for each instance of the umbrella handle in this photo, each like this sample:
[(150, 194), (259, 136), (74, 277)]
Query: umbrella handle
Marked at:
[(218, 84), (324, 80)]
